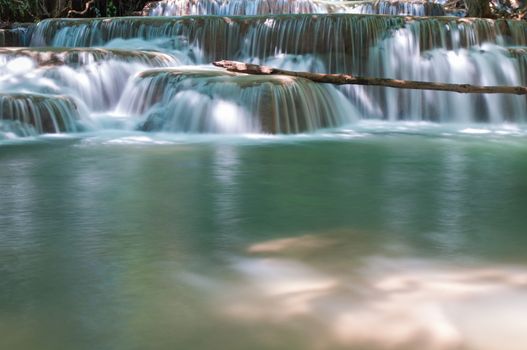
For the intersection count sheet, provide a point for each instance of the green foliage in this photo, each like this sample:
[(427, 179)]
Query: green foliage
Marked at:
[(111, 9), (33, 10), (17, 10)]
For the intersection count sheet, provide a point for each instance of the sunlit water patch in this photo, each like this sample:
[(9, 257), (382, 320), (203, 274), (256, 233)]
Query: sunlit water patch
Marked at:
[(416, 302)]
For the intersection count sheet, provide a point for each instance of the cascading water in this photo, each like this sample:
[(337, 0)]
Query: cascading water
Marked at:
[(205, 100), (265, 7), (442, 49), (93, 60), (18, 35), (82, 57), (403, 8), (343, 42), (94, 76), (232, 7), (32, 114), (485, 65)]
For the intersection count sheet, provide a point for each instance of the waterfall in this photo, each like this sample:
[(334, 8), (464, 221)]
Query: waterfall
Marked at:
[(95, 76), (488, 64), (232, 7), (265, 7), (86, 56), (128, 66), (401, 8), (18, 35), (344, 42), (214, 101), (32, 114), (438, 49)]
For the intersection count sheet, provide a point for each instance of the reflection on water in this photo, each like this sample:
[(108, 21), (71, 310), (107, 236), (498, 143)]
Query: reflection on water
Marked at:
[(384, 241)]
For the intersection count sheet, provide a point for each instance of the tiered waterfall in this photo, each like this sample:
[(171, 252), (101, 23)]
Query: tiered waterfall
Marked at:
[(153, 73)]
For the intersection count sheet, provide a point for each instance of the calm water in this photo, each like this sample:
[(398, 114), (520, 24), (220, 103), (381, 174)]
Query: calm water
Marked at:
[(361, 240)]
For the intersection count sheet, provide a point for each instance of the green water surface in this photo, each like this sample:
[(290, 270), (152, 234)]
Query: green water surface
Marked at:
[(263, 244)]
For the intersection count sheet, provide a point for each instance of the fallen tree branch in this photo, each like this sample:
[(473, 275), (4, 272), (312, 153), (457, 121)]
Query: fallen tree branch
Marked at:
[(84, 13), (341, 79)]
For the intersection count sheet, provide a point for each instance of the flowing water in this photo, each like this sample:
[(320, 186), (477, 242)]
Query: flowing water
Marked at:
[(296, 242), (264, 7), (151, 201)]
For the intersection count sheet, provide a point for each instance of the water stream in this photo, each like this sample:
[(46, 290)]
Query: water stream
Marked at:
[(151, 201)]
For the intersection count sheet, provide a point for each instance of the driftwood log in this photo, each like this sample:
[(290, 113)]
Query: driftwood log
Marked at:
[(84, 13), (341, 79)]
